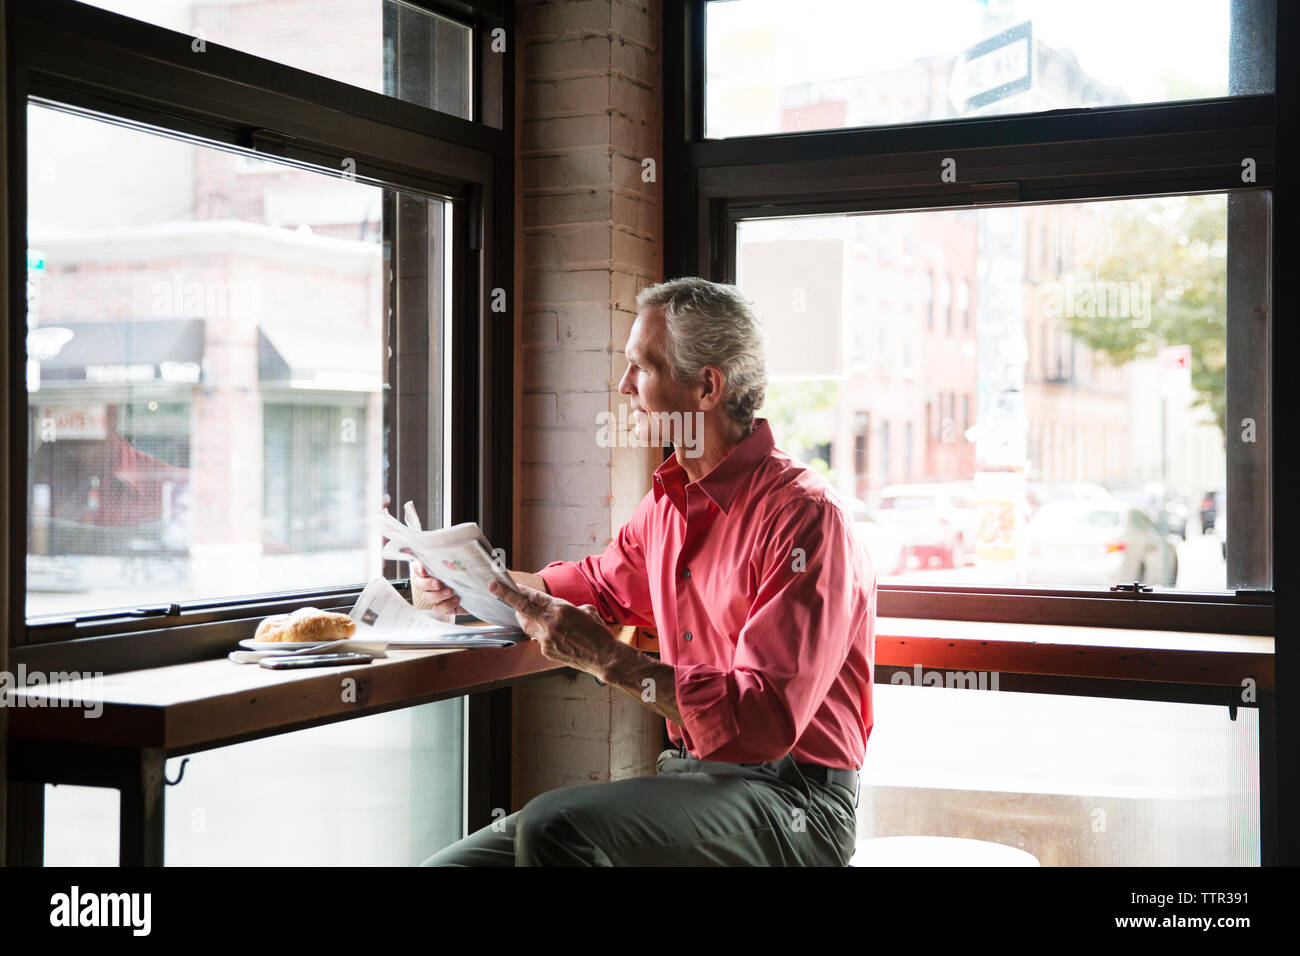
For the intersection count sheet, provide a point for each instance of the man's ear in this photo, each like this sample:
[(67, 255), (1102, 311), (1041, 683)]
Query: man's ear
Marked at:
[(711, 387)]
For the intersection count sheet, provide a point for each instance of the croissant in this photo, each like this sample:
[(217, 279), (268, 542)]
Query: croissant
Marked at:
[(306, 624)]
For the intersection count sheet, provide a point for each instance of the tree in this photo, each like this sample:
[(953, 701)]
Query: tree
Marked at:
[(1178, 247), (802, 418)]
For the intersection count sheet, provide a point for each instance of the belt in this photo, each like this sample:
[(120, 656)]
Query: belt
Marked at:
[(817, 773), (848, 779)]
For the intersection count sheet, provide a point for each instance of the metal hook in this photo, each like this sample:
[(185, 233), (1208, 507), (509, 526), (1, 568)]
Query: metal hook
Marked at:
[(179, 776)]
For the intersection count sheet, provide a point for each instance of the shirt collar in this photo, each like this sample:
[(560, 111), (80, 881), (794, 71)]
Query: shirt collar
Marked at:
[(728, 476)]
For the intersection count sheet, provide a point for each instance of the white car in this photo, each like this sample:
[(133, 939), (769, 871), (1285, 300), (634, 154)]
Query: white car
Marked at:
[(940, 520), (1096, 543), (885, 544)]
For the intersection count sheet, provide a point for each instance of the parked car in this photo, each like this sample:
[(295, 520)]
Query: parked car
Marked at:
[(1165, 511), (1211, 505), (1039, 493), (886, 544), (1096, 543), (940, 521), (1221, 529)]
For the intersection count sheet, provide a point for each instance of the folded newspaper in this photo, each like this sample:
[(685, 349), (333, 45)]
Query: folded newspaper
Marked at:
[(460, 557), (384, 615)]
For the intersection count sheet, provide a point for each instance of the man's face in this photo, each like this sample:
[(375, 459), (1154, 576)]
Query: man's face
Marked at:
[(647, 382)]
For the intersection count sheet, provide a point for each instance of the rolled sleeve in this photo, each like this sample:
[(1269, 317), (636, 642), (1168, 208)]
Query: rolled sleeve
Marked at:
[(793, 644)]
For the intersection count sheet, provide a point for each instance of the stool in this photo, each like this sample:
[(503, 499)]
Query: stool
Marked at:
[(937, 851)]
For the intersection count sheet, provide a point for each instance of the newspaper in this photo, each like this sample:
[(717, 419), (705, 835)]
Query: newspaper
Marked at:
[(460, 557), (384, 615)]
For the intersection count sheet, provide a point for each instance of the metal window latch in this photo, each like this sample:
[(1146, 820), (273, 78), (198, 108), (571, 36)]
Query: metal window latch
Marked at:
[(1136, 587), (157, 610)]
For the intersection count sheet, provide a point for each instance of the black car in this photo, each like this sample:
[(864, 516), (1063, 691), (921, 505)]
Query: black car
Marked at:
[(1211, 505)]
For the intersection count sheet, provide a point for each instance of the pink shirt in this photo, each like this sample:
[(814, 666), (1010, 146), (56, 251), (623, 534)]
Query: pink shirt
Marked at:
[(764, 600)]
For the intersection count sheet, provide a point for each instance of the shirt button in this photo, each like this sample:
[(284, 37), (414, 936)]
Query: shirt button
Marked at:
[(686, 572), (687, 635)]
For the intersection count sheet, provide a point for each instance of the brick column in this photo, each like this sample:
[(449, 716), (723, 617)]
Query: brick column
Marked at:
[(590, 238)]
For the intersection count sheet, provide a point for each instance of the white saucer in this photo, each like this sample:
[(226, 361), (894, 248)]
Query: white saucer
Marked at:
[(286, 646)]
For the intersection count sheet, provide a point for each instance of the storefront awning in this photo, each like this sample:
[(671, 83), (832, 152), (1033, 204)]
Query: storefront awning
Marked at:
[(119, 352), (314, 358)]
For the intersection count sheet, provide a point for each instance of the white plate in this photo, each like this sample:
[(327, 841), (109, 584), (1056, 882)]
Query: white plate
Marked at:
[(286, 646)]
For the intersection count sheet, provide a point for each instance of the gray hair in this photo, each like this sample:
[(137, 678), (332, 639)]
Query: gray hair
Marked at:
[(710, 323)]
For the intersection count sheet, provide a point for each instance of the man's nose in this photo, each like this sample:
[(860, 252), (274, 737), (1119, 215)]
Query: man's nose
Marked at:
[(625, 383)]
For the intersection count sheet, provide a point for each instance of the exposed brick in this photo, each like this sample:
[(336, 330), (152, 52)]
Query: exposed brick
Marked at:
[(583, 368), (587, 205), (564, 94), (590, 234), (560, 285), (541, 327), (593, 128), (636, 21), (539, 483), (567, 55), (540, 408), (568, 168), (550, 445)]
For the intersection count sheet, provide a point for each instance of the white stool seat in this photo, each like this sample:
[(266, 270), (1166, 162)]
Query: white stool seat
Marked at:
[(937, 851)]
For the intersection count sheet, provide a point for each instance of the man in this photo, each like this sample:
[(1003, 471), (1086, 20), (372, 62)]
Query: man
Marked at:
[(764, 600)]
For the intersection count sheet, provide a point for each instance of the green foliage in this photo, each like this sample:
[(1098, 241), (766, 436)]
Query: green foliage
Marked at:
[(1179, 246), (802, 416)]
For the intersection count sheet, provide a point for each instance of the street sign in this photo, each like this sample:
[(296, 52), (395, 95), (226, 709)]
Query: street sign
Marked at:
[(1176, 357), (993, 69)]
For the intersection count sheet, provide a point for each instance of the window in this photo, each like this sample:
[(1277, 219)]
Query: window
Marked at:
[(256, 310), (1151, 283), (386, 46), (239, 340), (946, 59), (1056, 184), (206, 370)]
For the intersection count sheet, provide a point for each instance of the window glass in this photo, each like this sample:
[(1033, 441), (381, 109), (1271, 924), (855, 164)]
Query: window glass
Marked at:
[(883, 64), (1074, 781), (206, 370), (1124, 407), (382, 790), (381, 45)]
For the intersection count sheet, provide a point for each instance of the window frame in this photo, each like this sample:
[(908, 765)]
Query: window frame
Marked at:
[(1120, 152), (92, 59)]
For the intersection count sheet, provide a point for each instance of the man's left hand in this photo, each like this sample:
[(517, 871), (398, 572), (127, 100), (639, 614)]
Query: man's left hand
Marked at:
[(566, 633)]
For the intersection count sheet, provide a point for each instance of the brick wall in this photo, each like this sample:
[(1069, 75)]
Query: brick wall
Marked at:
[(590, 238)]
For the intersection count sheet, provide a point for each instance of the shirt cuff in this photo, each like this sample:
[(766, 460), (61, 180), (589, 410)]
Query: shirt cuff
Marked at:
[(703, 700), (564, 580)]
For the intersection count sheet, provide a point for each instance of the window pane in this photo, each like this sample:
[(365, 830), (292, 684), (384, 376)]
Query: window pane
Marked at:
[(830, 64), (384, 790), (381, 45), (206, 342), (1074, 781), (1073, 434)]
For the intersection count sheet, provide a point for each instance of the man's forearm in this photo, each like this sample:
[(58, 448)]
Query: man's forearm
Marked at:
[(535, 581), (652, 682)]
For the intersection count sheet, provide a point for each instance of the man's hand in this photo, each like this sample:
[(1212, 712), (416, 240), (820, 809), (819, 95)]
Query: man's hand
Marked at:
[(430, 594), (566, 633), (577, 636)]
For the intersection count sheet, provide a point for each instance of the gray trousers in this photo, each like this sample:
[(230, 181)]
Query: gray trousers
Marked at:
[(691, 813)]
